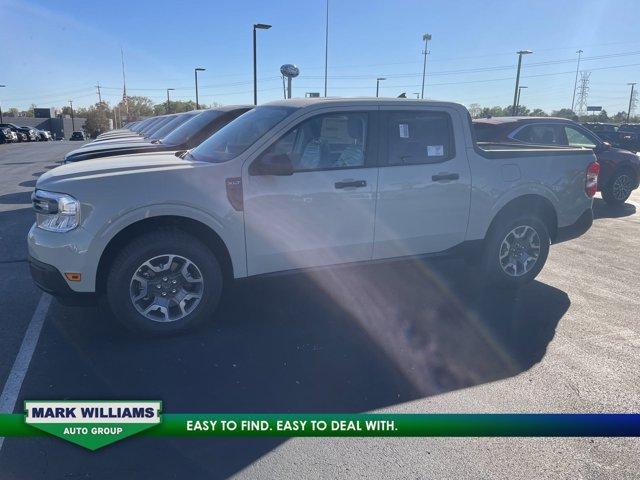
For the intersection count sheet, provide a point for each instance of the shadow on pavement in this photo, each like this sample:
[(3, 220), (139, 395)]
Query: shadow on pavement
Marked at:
[(15, 198), (348, 339), (602, 209), (14, 226)]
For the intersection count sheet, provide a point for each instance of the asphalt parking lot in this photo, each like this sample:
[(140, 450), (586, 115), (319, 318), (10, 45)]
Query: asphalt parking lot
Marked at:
[(405, 337)]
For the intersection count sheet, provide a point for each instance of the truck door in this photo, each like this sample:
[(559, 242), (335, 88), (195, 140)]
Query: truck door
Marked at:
[(323, 212), (424, 184)]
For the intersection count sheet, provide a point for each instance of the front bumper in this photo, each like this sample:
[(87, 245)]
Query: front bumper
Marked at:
[(49, 279), (576, 229), (66, 252)]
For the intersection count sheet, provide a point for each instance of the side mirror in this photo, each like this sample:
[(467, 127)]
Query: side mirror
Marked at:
[(272, 164), (606, 145)]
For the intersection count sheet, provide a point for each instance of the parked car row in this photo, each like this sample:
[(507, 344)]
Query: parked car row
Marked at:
[(233, 192), (168, 133), (619, 169), (626, 135), (10, 133)]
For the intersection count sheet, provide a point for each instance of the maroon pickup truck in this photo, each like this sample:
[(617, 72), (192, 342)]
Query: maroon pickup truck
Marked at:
[(619, 169)]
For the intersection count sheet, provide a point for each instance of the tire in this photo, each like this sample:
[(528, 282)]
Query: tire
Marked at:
[(171, 252), (510, 226), (619, 188)]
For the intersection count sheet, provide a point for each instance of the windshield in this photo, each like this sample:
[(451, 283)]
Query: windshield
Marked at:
[(172, 125), (234, 138), (184, 132), (157, 126)]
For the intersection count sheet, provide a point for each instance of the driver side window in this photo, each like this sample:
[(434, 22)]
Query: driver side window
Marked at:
[(325, 142)]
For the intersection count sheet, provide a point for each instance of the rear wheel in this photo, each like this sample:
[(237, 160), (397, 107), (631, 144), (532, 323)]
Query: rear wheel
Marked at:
[(619, 187), (515, 250), (164, 282)]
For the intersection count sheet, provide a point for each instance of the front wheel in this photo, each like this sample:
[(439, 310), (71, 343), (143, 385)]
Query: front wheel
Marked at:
[(515, 251), (164, 282), (619, 188)]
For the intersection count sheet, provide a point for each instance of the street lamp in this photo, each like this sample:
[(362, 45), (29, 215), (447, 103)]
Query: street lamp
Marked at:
[(378, 80), (256, 26), (518, 101), (196, 70), (73, 122), (169, 104), (1, 120), (426, 37), (515, 93)]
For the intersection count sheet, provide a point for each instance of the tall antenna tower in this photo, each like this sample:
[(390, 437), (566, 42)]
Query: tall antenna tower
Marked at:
[(124, 85), (583, 93), (633, 100)]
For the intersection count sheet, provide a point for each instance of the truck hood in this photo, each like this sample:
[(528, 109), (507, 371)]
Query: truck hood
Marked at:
[(128, 138), (64, 176), (94, 147)]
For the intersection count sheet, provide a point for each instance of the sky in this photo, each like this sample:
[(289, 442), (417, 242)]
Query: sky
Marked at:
[(56, 51)]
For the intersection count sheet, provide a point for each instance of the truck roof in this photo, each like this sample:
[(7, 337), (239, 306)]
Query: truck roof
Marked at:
[(305, 102), (500, 120)]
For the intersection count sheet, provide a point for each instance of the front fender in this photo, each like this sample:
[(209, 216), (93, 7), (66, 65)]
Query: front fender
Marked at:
[(230, 230)]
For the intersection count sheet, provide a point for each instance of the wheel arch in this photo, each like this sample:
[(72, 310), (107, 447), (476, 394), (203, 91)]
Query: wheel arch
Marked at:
[(530, 203), (199, 230)]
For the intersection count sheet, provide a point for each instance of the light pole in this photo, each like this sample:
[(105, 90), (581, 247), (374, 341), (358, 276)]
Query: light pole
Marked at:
[(326, 49), (73, 122), (575, 83), (256, 26), (168, 103), (515, 93), (426, 37), (630, 100), (1, 120), (196, 70), (518, 101), (378, 80)]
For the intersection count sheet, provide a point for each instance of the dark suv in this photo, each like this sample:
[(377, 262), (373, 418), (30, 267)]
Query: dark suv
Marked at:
[(78, 136), (606, 131), (629, 136), (619, 169)]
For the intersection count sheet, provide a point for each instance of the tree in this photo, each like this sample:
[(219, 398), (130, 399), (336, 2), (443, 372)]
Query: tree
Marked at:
[(177, 106), (13, 112), (538, 112), (137, 107), (475, 110), (565, 113), (97, 118), (521, 111), (619, 117)]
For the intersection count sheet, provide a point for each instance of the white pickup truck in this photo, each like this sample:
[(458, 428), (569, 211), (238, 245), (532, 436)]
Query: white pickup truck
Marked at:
[(301, 184)]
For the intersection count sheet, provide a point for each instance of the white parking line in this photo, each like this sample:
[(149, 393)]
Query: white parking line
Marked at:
[(20, 366)]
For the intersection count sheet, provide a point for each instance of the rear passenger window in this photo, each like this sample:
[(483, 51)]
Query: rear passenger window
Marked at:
[(541, 135), (415, 137)]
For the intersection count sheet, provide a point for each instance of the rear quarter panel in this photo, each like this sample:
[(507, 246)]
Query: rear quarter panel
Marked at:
[(558, 177)]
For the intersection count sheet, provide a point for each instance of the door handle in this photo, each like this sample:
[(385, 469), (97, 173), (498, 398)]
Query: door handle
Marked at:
[(445, 176), (351, 183)]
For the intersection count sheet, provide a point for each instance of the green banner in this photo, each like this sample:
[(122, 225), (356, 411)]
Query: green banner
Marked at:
[(93, 424)]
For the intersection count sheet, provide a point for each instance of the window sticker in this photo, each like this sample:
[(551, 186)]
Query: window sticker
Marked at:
[(404, 130), (435, 150)]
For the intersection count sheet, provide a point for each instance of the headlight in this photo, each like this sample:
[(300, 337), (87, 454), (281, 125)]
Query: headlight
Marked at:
[(56, 212)]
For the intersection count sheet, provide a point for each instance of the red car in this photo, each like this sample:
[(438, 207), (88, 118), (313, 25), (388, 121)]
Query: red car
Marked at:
[(619, 169)]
